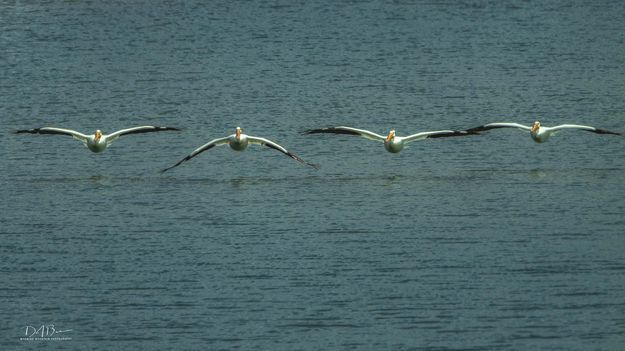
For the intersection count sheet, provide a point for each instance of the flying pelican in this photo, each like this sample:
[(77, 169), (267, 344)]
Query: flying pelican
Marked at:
[(392, 143), (239, 142), (98, 141), (539, 133)]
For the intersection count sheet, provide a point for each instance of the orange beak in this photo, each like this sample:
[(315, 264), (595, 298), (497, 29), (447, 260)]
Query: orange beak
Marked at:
[(238, 133), (97, 135), (390, 136), (535, 127)]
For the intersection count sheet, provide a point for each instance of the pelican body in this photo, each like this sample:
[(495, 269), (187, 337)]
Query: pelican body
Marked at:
[(96, 142), (239, 142), (392, 142), (539, 133)]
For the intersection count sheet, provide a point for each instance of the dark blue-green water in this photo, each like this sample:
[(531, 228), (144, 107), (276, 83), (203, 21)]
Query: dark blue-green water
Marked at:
[(489, 242)]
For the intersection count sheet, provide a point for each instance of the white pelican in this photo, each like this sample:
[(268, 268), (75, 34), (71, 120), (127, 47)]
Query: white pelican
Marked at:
[(98, 141), (539, 133), (392, 142), (239, 142)]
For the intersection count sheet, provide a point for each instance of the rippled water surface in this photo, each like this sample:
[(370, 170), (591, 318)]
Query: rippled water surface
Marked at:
[(486, 242)]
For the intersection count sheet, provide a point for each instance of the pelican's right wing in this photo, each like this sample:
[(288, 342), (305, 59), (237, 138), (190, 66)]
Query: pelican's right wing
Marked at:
[(199, 150), (137, 130), (437, 134), (348, 130), (275, 146), (499, 125), (51, 130), (582, 127)]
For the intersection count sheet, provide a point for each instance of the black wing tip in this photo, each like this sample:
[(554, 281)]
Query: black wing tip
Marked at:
[(297, 158), (294, 156), (333, 130), (605, 131), (187, 158), (315, 131), (313, 165), (29, 131), (174, 166), (454, 133), (168, 168)]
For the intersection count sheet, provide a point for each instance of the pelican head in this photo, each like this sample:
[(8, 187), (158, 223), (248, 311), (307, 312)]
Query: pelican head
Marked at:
[(97, 135), (237, 133), (390, 135), (535, 126)]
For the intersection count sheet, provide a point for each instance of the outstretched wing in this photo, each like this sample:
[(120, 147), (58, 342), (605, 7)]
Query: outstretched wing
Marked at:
[(582, 127), (199, 150), (436, 134), (271, 144), (498, 125), (348, 130), (137, 130), (52, 130)]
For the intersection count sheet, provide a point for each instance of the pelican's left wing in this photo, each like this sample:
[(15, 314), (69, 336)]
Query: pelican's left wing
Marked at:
[(137, 130), (436, 134), (349, 131), (490, 126), (586, 128), (271, 144)]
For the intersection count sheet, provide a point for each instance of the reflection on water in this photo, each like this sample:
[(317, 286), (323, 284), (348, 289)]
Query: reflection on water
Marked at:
[(100, 180), (242, 182), (538, 173), (391, 180)]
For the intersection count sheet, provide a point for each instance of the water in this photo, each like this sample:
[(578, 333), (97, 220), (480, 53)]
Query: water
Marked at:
[(488, 242)]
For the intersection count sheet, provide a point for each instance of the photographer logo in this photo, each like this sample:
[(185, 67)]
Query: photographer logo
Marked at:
[(45, 332)]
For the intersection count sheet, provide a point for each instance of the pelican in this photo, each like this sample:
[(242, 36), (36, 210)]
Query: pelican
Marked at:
[(392, 142), (539, 133), (239, 142), (96, 142)]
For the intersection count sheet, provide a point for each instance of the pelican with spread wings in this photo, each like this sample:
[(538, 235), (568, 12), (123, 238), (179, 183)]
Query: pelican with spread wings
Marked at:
[(538, 132), (239, 142), (392, 142), (96, 142)]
